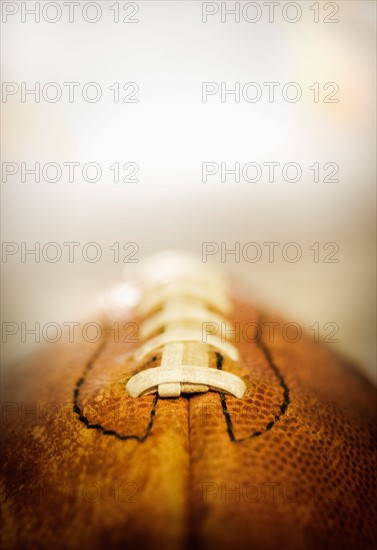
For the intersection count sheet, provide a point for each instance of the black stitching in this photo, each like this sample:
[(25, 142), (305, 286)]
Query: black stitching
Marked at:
[(99, 427), (283, 406), (228, 419)]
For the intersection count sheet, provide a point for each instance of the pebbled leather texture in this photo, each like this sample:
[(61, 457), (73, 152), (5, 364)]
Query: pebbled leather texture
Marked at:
[(290, 466)]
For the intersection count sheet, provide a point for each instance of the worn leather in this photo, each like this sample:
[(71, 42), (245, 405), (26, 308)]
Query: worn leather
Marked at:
[(289, 466)]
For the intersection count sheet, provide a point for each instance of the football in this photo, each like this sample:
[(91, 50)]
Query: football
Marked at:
[(187, 419)]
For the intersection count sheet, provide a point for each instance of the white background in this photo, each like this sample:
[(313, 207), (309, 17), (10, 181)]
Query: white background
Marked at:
[(170, 132)]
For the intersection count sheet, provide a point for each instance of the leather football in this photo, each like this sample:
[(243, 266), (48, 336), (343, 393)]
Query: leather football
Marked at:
[(192, 420)]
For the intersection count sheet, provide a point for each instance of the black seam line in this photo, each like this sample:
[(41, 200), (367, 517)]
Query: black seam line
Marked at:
[(283, 406), (77, 409)]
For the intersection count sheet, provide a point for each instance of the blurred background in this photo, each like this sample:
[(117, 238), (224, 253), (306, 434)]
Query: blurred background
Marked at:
[(169, 133)]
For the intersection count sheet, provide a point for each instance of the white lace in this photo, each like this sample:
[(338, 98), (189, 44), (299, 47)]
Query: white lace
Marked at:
[(186, 302)]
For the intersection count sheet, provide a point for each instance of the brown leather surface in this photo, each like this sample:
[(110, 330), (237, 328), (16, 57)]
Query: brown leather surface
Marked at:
[(289, 466)]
